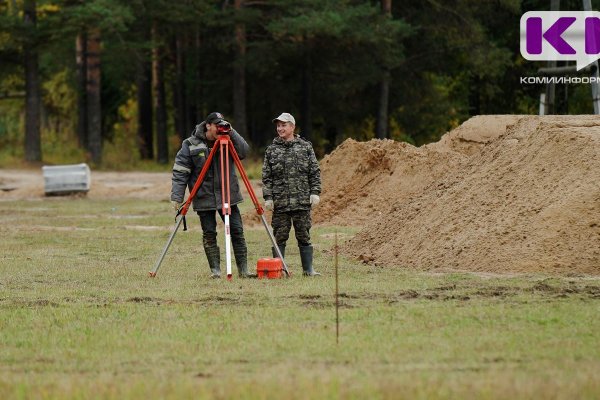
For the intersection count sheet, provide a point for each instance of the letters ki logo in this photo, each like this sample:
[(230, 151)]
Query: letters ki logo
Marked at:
[(561, 36)]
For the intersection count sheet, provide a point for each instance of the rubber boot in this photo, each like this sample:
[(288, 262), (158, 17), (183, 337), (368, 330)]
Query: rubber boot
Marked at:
[(213, 255), (240, 250), (281, 249), (306, 256)]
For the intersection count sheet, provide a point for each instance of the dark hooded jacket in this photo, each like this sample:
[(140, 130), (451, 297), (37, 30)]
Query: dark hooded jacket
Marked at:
[(189, 162), (290, 174)]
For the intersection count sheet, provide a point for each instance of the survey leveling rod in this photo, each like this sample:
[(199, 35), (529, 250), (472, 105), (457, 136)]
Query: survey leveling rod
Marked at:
[(226, 200), (224, 142)]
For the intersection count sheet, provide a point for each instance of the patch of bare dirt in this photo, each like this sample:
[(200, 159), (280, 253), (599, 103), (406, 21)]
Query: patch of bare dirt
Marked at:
[(29, 185)]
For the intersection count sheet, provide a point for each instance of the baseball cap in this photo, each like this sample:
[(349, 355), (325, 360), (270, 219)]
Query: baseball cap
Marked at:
[(214, 118), (285, 117)]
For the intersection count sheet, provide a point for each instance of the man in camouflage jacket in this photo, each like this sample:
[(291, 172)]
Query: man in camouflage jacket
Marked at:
[(291, 186), (188, 163)]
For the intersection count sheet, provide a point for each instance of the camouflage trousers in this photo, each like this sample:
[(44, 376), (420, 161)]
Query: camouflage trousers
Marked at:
[(282, 224)]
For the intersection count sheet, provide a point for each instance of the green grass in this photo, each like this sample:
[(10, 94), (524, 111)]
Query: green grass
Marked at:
[(79, 318)]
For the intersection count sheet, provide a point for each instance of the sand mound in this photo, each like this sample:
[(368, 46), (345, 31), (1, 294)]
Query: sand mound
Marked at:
[(528, 201), (362, 179)]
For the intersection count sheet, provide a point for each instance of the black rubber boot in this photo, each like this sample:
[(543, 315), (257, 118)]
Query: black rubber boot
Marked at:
[(240, 250), (213, 255), (306, 256), (281, 249)]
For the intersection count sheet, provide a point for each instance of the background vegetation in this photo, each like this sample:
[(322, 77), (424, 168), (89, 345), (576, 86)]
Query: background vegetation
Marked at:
[(120, 83)]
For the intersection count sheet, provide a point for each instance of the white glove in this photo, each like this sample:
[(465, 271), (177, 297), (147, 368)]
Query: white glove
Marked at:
[(176, 205), (314, 199), (269, 205)]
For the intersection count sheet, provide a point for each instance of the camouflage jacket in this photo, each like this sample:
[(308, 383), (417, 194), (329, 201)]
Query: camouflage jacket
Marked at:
[(290, 174), (189, 162)]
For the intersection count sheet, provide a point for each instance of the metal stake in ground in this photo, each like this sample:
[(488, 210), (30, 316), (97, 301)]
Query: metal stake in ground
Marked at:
[(337, 303), (226, 148)]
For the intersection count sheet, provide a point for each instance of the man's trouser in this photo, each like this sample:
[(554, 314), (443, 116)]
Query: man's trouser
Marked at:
[(282, 224), (209, 239)]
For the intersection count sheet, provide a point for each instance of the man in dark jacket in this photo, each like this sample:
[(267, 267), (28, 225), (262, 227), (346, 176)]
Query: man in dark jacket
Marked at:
[(291, 186), (188, 163)]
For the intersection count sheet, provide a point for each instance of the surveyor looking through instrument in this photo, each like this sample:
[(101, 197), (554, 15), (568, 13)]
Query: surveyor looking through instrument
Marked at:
[(188, 163), (291, 187)]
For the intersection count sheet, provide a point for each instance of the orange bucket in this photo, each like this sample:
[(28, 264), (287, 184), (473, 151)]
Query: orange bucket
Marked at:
[(270, 268)]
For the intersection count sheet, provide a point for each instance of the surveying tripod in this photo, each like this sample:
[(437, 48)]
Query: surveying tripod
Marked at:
[(225, 147)]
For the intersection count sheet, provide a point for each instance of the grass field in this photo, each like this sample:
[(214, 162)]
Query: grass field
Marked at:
[(79, 318)]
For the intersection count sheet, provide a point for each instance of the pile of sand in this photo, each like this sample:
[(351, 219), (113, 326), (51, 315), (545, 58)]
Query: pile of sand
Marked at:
[(527, 201), (361, 179)]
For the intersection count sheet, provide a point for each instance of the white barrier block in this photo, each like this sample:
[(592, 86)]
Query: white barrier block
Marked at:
[(65, 179)]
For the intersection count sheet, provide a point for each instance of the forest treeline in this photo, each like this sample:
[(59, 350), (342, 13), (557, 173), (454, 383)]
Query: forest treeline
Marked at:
[(137, 76)]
